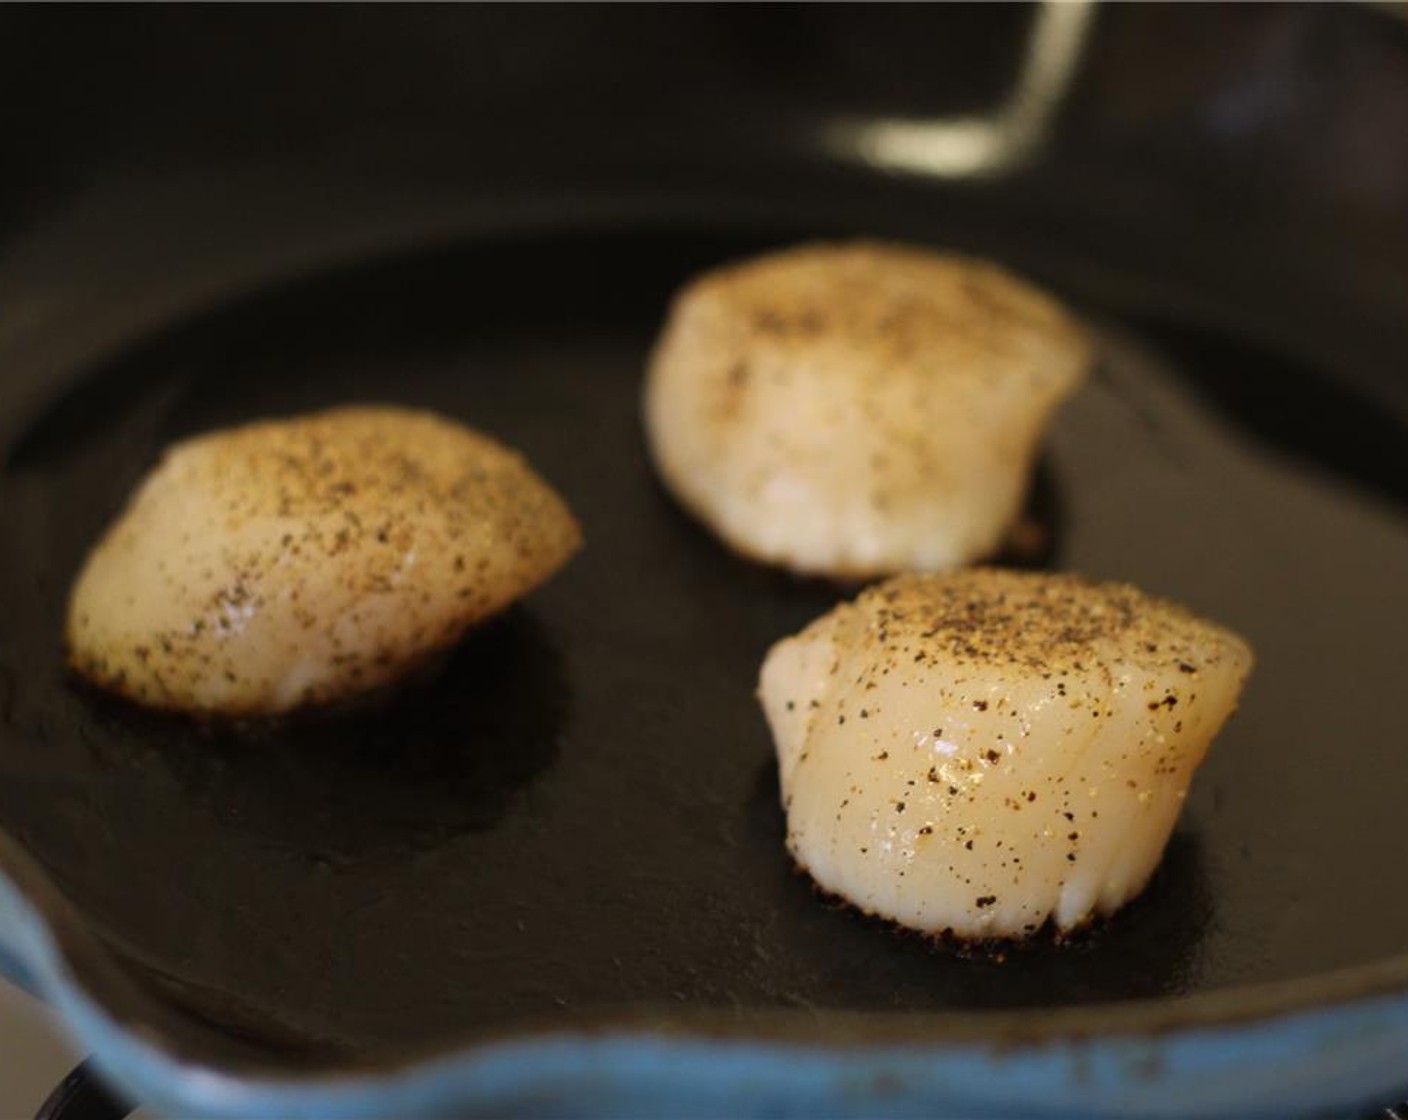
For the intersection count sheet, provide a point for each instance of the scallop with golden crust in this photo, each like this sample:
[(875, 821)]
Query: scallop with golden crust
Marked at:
[(854, 410), (980, 752), (295, 562)]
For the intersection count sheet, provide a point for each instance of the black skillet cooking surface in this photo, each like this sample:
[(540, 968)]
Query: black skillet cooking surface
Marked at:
[(577, 813)]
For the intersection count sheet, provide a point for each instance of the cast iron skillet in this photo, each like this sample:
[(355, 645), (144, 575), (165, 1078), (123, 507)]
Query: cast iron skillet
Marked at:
[(552, 868)]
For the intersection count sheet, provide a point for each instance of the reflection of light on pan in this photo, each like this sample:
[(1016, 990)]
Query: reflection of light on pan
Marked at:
[(964, 146)]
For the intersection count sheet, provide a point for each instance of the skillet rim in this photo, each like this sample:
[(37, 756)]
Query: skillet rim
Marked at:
[(1113, 1066)]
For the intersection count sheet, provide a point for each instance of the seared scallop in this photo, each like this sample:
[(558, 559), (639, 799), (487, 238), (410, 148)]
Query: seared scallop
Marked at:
[(855, 410), (299, 561), (983, 752)]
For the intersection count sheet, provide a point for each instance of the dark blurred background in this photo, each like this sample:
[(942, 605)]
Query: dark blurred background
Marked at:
[(1278, 133)]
